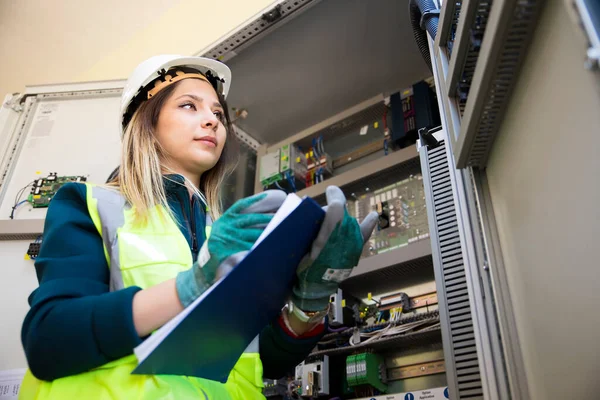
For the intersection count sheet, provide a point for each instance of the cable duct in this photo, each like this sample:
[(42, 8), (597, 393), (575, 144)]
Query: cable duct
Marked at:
[(424, 18)]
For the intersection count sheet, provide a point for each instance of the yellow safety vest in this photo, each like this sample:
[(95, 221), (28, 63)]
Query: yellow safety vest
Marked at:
[(143, 256)]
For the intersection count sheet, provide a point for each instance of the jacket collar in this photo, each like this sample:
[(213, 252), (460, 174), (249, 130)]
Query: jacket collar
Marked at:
[(174, 182), (175, 187)]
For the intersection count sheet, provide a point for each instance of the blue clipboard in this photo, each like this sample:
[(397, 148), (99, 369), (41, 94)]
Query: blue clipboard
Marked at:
[(210, 340)]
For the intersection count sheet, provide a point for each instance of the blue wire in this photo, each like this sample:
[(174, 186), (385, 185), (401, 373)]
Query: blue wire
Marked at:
[(291, 179), (19, 204), (278, 186), (316, 150), (321, 145)]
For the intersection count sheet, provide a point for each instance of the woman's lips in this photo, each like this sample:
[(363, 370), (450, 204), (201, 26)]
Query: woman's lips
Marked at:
[(207, 141)]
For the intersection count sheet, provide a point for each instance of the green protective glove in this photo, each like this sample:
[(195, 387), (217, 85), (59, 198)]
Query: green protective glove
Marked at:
[(232, 236), (333, 255)]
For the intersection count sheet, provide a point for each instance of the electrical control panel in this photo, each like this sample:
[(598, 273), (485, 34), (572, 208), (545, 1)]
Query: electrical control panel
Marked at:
[(336, 308), (412, 109), (269, 168), (42, 191), (275, 387), (312, 378), (284, 168), (291, 160), (402, 214), (366, 369), (45, 188), (319, 164)]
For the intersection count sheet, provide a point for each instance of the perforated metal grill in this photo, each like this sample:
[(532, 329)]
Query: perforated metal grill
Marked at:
[(522, 23), (476, 31), (223, 50), (453, 26), (19, 236), (21, 229), (457, 326)]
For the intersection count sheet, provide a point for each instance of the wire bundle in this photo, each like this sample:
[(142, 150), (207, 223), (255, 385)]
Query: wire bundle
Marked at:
[(390, 330), (318, 151), (289, 175), (399, 324), (395, 314)]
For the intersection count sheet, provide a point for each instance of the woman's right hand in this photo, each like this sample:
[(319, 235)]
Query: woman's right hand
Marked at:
[(232, 236)]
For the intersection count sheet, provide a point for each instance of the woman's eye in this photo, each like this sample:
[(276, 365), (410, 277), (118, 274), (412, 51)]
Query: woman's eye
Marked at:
[(188, 106), (219, 115)]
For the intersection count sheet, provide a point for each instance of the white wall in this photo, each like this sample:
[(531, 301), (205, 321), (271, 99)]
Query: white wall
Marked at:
[(544, 175), (97, 40), (75, 41), (17, 281)]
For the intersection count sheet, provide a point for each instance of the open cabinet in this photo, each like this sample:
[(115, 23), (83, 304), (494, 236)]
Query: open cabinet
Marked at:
[(332, 73), (335, 95), (332, 92)]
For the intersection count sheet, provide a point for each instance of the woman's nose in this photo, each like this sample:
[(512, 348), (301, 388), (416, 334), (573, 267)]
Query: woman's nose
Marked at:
[(209, 121)]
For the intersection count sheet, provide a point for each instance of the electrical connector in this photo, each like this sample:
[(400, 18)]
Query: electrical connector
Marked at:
[(34, 250), (366, 369)]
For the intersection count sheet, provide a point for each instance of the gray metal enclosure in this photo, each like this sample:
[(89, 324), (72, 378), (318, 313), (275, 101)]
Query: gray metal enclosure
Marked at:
[(460, 349)]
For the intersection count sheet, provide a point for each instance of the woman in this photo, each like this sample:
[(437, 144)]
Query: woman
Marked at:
[(119, 261)]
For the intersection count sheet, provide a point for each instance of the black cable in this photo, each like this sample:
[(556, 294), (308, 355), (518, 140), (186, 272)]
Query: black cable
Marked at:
[(12, 212), (18, 198), (423, 17)]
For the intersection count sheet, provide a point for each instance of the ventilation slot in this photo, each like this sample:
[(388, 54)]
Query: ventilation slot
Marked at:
[(453, 26), (459, 339), (522, 23), (476, 33)]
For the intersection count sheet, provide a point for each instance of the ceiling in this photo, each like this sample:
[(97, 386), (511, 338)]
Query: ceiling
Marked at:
[(331, 57)]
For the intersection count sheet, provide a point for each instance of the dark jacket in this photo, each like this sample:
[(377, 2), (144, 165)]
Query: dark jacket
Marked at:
[(75, 323)]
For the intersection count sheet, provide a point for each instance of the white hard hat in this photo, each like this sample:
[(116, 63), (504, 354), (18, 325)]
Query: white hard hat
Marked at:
[(154, 67)]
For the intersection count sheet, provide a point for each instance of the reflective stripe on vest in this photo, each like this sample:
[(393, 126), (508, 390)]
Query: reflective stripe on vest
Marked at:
[(109, 205), (143, 256)]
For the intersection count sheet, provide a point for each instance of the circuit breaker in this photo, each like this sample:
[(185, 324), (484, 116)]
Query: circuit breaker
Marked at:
[(284, 168), (313, 378), (269, 168)]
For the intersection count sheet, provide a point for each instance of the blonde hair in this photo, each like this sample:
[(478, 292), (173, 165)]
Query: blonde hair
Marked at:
[(140, 176)]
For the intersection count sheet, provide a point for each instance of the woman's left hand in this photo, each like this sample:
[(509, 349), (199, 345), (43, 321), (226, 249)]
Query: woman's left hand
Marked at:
[(231, 238), (333, 255)]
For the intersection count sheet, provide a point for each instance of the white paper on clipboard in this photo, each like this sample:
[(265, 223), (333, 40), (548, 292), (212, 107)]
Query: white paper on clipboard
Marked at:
[(10, 383)]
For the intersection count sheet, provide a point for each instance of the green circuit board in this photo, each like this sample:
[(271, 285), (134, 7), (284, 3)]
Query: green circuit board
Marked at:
[(44, 189), (403, 214)]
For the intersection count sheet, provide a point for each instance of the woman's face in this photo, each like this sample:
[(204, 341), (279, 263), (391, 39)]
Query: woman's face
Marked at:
[(191, 128)]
